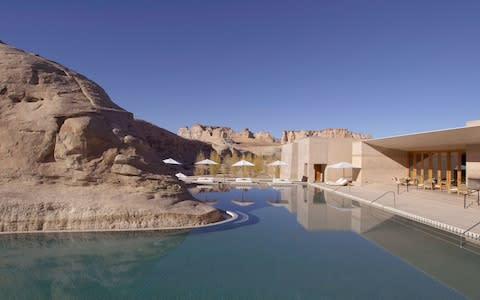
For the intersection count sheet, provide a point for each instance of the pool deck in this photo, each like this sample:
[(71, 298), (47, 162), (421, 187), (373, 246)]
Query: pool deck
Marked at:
[(435, 208)]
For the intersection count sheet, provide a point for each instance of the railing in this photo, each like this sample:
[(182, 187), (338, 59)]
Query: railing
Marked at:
[(384, 194), (462, 236)]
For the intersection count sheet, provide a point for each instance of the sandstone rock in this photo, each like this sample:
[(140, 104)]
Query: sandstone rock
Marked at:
[(126, 170), (265, 136), (289, 136), (58, 127), (224, 140)]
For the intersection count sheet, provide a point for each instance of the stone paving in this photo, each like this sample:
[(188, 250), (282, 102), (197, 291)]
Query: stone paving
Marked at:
[(436, 205)]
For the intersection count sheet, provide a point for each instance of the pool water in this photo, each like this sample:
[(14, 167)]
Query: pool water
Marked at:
[(289, 243)]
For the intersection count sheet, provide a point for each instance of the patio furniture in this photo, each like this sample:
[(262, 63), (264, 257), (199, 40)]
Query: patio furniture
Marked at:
[(419, 182), (339, 182), (204, 180), (243, 180), (280, 181), (463, 189), (428, 184)]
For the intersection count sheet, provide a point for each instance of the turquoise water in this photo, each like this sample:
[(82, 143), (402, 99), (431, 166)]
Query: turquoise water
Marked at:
[(293, 243)]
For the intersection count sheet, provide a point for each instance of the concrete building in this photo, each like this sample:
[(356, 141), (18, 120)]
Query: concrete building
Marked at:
[(308, 158), (450, 157)]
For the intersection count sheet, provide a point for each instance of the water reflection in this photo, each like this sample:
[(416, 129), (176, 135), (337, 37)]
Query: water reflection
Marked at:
[(317, 209), (432, 251), (54, 265)]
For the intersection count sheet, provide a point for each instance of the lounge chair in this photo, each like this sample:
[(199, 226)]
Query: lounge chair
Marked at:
[(280, 181), (339, 182), (204, 180), (243, 180), (181, 176)]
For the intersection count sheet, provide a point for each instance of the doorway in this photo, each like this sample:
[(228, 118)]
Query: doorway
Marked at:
[(319, 172)]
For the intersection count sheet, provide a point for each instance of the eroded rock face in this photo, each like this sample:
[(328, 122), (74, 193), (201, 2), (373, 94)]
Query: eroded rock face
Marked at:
[(58, 127), (289, 136), (225, 140)]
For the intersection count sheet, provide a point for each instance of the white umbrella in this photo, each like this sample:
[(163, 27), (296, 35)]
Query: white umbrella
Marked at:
[(206, 162), (181, 175), (243, 163), (171, 161), (277, 163), (342, 165)]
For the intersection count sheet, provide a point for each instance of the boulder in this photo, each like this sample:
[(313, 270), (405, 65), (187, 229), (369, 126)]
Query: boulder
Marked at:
[(57, 127)]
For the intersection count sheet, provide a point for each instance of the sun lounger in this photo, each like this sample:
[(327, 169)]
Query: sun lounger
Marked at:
[(280, 181), (243, 180), (181, 176), (339, 182), (204, 180)]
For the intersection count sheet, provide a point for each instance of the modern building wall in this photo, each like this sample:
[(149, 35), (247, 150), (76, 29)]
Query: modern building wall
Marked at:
[(290, 156), (339, 150), (302, 155), (378, 165)]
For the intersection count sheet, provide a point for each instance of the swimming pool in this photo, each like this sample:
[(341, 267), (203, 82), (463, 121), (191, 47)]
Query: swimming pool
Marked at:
[(288, 243)]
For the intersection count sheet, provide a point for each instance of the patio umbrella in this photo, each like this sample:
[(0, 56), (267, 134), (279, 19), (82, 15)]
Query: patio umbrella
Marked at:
[(206, 162), (243, 163), (342, 165), (277, 164), (171, 161), (181, 176)]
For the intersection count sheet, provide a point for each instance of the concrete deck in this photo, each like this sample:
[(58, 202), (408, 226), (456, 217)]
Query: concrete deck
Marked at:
[(435, 208)]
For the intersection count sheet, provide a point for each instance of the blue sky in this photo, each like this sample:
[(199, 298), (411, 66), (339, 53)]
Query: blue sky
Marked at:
[(379, 67)]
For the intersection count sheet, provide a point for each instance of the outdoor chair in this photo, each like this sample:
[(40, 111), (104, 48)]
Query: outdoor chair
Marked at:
[(428, 184), (463, 189), (419, 182)]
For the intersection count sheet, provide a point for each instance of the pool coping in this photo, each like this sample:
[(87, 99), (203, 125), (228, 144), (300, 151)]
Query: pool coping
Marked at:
[(461, 232), (233, 217)]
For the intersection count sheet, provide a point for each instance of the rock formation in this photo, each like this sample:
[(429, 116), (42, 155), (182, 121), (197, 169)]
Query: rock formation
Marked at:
[(58, 127), (289, 136), (225, 139)]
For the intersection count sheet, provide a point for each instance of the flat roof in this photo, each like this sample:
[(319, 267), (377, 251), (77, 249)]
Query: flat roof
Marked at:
[(446, 139)]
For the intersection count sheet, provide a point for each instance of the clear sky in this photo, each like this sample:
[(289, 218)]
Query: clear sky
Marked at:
[(379, 67)]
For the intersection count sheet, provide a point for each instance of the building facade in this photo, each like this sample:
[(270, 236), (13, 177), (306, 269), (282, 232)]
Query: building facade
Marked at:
[(308, 159), (449, 157)]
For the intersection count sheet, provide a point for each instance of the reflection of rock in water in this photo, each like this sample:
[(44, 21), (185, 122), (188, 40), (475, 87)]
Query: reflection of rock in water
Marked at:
[(53, 265)]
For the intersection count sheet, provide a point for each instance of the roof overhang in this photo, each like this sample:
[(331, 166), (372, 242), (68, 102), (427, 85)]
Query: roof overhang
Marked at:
[(440, 140)]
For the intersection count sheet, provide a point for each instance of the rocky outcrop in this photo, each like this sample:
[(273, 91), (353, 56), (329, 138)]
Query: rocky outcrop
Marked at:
[(265, 136), (225, 140), (58, 127), (289, 136)]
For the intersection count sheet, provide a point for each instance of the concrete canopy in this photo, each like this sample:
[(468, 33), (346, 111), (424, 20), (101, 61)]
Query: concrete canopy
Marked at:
[(440, 140)]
